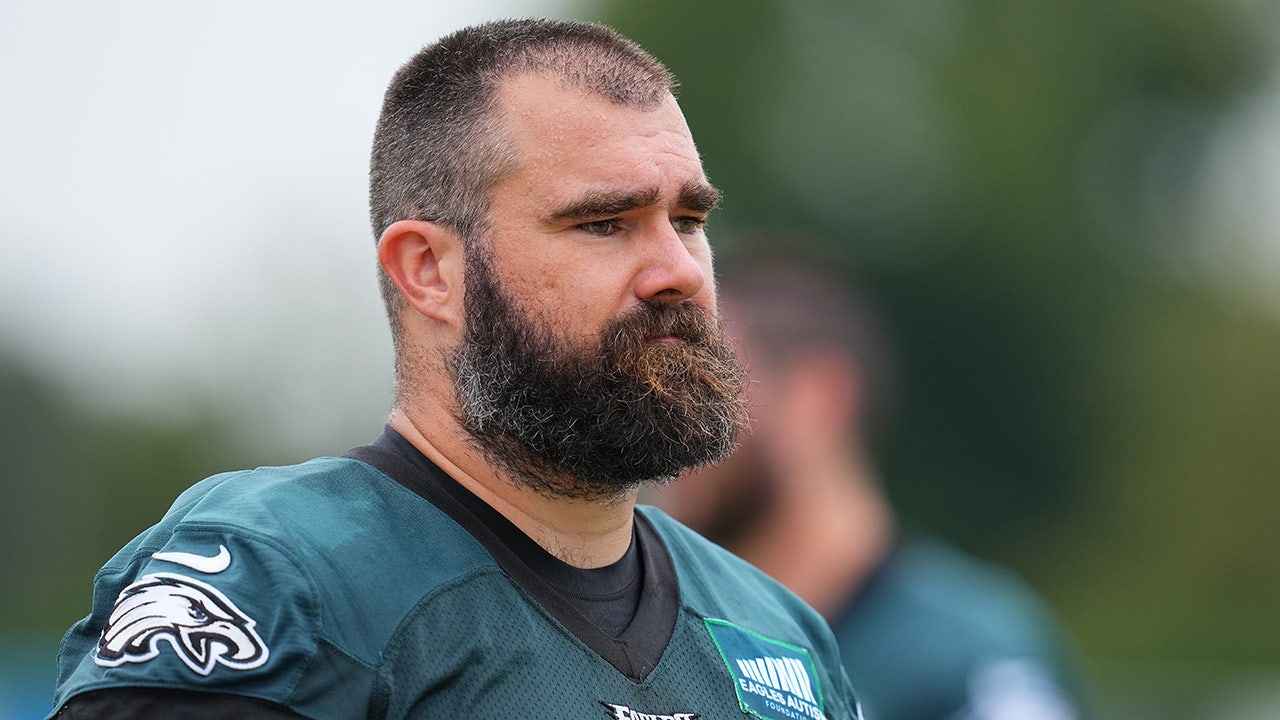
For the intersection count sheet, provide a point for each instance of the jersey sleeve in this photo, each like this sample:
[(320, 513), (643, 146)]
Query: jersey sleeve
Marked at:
[(209, 610), (134, 703)]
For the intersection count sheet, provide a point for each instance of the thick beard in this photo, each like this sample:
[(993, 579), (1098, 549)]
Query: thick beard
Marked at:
[(594, 423)]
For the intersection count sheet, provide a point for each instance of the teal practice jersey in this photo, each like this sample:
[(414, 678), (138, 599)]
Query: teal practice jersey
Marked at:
[(337, 589), (936, 633)]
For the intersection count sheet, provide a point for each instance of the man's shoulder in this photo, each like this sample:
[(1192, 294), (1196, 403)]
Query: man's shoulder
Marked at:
[(966, 588), (712, 577), (990, 636), (687, 545), (929, 587), (303, 573), (307, 498), (334, 536), (319, 482), (337, 514)]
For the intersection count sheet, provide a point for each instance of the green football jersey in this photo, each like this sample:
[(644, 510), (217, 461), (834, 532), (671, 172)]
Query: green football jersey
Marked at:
[(371, 587), (936, 633)]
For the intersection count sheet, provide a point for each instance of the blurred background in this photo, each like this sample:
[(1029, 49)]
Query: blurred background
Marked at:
[(1068, 211)]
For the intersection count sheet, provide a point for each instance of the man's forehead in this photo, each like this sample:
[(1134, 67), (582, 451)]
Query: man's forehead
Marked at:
[(580, 152), (538, 103)]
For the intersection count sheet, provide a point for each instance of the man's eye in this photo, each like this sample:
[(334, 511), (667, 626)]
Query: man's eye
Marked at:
[(599, 227), (688, 225)]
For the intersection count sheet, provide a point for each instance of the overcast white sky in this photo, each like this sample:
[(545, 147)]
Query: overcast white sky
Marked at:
[(182, 195)]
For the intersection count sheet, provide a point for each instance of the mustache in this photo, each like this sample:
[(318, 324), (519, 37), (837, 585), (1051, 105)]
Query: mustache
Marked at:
[(686, 321)]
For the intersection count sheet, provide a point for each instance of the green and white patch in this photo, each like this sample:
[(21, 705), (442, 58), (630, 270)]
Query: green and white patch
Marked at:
[(774, 680)]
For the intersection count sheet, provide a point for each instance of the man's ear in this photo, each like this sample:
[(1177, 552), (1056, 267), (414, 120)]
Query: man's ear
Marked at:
[(425, 260)]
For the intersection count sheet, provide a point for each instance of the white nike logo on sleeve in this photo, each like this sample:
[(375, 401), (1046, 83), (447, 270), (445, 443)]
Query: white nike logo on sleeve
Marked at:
[(201, 563)]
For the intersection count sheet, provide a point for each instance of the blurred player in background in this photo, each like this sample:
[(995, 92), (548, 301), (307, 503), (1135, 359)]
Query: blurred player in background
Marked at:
[(927, 632)]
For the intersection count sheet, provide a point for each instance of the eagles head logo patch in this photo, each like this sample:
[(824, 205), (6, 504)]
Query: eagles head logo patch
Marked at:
[(203, 627)]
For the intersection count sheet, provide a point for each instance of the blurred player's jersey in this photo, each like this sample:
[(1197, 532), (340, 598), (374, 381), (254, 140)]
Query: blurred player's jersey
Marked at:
[(335, 591), (936, 634)]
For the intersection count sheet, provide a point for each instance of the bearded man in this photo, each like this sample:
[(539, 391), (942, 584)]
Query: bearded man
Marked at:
[(540, 208)]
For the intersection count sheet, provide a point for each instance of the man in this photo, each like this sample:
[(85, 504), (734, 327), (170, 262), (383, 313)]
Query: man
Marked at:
[(539, 205), (927, 633)]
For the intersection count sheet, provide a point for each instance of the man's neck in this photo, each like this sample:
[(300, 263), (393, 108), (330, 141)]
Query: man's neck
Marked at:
[(582, 533), (824, 537)]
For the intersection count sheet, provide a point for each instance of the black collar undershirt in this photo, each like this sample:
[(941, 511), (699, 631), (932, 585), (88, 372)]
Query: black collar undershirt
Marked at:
[(625, 611)]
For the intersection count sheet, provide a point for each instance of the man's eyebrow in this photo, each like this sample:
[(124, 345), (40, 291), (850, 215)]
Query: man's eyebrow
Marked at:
[(700, 197), (697, 196), (602, 205)]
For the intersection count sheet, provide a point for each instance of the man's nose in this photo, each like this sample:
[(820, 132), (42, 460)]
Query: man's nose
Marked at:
[(672, 271)]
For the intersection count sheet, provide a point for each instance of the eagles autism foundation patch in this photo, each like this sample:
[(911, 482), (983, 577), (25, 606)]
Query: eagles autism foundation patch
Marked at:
[(774, 680)]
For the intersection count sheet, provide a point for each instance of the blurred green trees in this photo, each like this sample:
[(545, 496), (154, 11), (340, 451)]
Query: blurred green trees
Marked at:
[(79, 484), (1021, 186)]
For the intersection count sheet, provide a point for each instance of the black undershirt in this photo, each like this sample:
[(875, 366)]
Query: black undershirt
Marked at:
[(626, 612), (608, 596)]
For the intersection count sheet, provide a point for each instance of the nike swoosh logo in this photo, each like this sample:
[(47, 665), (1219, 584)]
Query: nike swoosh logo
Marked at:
[(200, 563)]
